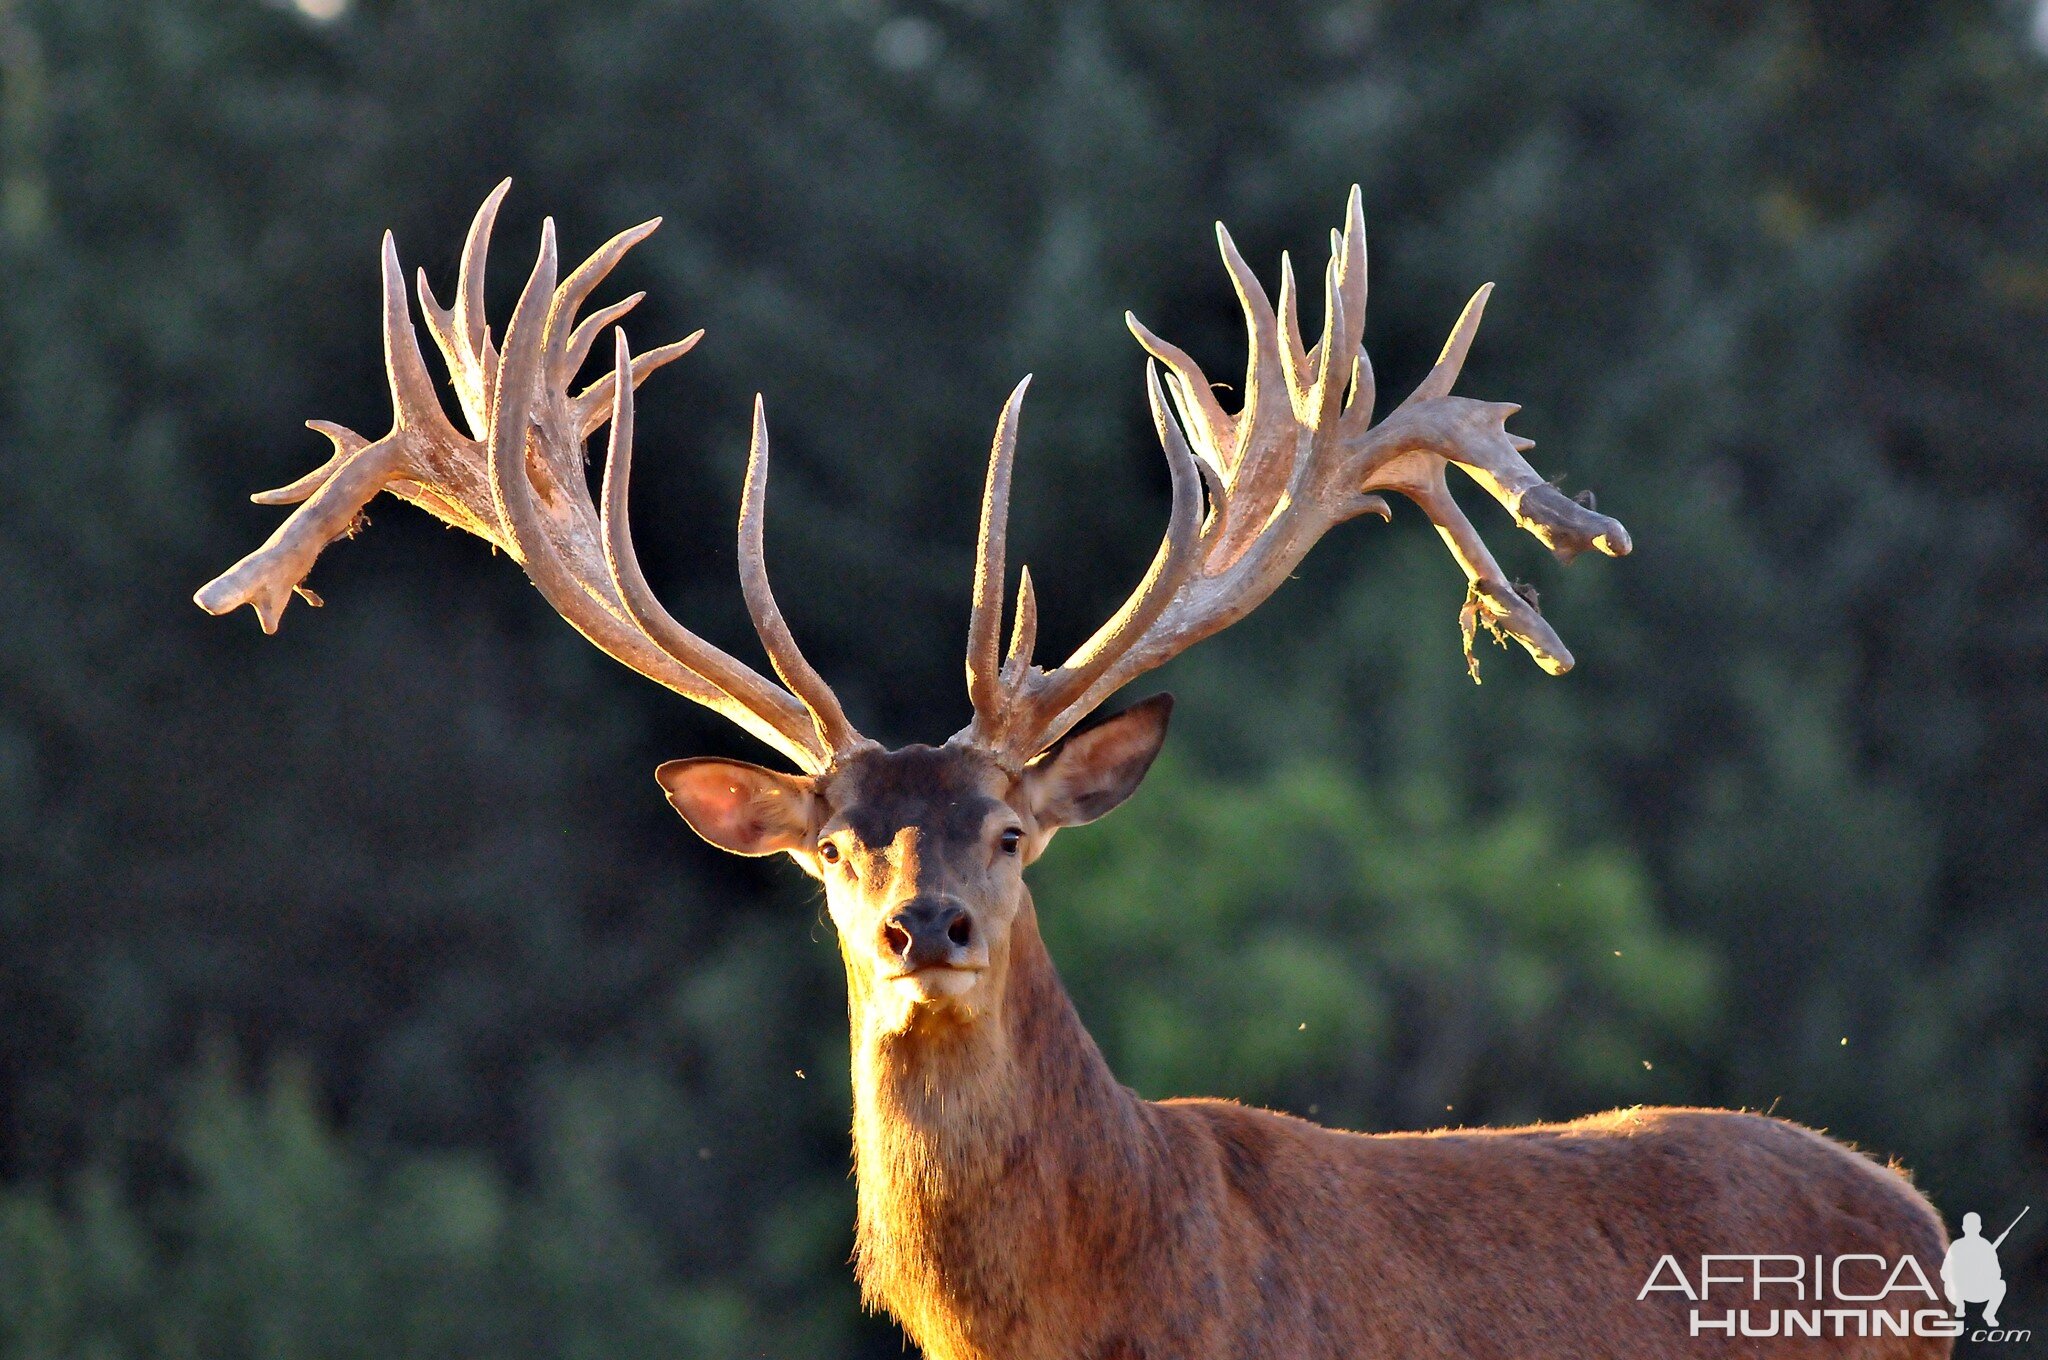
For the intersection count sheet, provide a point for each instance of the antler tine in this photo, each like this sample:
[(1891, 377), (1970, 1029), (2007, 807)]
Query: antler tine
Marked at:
[(1490, 601), (1298, 458), (834, 732), (1294, 358), (1193, 397), (413, 399), (734, 690), (1171, 565), (1042, 706), (469, 287), (1349, 250), (519, 371), (1341, 366), (520, 484), (1443, 375), (1262, 461), (985, 622), (1023, 636), (590, 327), (591, 407), (347, 443), (461, 332), (569, 344)]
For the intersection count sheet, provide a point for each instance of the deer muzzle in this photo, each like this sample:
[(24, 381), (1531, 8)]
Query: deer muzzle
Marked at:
[(932, 932)]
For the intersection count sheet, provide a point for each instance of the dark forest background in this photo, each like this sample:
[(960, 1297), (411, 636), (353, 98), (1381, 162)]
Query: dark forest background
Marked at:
[(359, 996)]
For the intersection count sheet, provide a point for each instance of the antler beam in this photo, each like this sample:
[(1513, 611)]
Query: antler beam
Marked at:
[(1300, 457), (1252, 493), (517, 480)]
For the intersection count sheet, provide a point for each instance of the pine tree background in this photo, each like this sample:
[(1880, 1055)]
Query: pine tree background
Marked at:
[(360, 997)]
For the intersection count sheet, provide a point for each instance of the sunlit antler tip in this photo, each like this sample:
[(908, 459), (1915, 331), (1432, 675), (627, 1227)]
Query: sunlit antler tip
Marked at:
[(347, 443), (206, 597), (1352, 238), (1233, 258), (1013, 408), (223, 595), (1371, 504)]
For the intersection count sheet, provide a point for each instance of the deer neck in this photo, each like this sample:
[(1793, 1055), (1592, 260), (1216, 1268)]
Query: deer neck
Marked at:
[(978, 1149)]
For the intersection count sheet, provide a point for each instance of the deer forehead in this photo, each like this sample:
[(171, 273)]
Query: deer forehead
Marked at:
[(923, 799)]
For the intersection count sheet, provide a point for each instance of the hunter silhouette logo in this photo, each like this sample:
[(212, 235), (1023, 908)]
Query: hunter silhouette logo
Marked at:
[(1970, 1272)]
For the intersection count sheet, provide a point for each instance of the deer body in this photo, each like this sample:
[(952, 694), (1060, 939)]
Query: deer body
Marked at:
[(1016, 1203)]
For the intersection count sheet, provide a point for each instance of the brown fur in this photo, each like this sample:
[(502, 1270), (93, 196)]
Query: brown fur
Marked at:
[(1017, 1203)]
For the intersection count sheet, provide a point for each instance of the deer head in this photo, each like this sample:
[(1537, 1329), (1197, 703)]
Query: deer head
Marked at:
[(921, 850)]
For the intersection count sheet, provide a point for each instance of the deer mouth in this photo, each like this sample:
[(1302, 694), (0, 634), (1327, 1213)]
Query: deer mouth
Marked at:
[(937, 981)]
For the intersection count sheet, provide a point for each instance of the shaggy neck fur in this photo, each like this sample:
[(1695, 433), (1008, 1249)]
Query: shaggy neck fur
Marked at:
[(1017, 1204), (984, 1154)]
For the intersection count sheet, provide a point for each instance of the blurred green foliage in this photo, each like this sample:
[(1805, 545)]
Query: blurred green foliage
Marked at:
[(1296, 941), (358, 994), (284, 1241)]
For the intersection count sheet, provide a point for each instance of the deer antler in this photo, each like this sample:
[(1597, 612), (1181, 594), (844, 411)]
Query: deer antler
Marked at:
[(1300, 457), (518, 482)]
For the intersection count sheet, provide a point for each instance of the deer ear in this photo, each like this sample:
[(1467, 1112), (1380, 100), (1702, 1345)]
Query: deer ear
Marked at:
[(1092, 771), (740, 807)]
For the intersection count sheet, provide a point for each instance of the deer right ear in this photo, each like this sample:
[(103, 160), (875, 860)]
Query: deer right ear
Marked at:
[(1097, 768), (740, 807)]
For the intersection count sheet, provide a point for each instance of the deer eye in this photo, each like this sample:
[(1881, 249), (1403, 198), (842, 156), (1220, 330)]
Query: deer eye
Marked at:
[(1010, 840), (829, 852)]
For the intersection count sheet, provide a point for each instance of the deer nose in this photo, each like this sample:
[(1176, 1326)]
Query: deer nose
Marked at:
[(927, 931)]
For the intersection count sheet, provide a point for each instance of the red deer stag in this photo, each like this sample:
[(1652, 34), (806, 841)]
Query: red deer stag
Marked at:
[(1015, 1201)]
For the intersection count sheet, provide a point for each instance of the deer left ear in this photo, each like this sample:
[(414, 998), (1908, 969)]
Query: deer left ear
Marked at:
[(740, 807), (1091, 772)]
